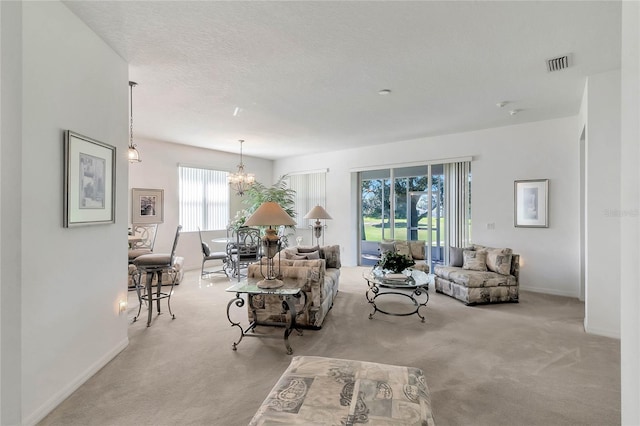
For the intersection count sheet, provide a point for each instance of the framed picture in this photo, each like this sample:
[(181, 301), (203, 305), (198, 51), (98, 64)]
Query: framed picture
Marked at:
[(89, 181), (147, 205), (532, 203)]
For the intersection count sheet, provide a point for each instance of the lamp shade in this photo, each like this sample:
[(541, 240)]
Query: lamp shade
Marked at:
[(268, 214), (317, 213)]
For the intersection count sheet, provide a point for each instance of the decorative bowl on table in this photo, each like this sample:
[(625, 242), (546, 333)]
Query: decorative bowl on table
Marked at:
[(394, 263), (390, 277)]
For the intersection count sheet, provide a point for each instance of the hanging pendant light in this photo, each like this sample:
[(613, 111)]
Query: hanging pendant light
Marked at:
[(240, 180), (134, 155)]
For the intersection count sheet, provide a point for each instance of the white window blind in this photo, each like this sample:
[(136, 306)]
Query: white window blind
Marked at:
[(204, 199), (310, 191), (459, 203)]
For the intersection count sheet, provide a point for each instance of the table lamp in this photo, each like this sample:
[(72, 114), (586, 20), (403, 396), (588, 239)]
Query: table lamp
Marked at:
[(317, 213), (270, 214)]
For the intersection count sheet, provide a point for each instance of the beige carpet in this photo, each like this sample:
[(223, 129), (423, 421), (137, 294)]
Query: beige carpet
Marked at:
[(511, 364)]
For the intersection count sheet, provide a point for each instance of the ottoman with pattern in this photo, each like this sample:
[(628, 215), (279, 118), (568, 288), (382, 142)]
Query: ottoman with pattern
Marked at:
[(320, 391)]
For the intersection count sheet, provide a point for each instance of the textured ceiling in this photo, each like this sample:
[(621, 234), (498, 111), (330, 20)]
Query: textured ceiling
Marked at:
[(306, 75)]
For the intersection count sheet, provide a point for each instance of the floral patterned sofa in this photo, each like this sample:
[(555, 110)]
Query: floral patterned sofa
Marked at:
[(320, 391), (317, 270), (478, 275), (415, 250)]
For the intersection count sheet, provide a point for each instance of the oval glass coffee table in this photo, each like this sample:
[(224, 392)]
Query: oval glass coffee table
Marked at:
[(412, 284)]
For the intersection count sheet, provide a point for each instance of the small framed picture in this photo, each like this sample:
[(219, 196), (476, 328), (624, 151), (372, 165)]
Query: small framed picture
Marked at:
[(89, 181), (531, 203), (147, 205)]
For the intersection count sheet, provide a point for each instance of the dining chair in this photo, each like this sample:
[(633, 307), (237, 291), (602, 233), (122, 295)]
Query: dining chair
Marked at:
[(208, 255), (244, 249), (144, 238), (155, 264)]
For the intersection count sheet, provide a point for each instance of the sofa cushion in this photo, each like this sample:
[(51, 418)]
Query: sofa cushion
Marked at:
[(332, 256), (310, 276), (332, 275), (499, 260), (292, 262), (475, 260), (311, 255), (303, 249), (387, 246), (417, 249), (455, 256), (402, 247), (474, 279), (288, 253), (421, 265)]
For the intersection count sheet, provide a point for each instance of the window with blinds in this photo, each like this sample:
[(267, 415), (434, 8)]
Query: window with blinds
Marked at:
[(204, 199), (310, 191)]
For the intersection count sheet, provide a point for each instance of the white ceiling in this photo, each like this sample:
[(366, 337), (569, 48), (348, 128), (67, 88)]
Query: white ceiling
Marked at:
[(306, 74)]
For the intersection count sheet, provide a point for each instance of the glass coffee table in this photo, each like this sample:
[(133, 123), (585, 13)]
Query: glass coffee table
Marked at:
[(412, 284)]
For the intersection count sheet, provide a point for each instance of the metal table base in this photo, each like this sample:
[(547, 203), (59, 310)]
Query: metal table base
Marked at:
[(288, 297)]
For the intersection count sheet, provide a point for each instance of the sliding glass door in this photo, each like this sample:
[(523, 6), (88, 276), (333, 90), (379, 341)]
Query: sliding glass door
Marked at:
[(375, 219), (416, 199)]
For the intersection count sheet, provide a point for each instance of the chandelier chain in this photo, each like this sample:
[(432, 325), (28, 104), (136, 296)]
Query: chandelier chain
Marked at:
[(240, 180), (133, 154), (131, 84)]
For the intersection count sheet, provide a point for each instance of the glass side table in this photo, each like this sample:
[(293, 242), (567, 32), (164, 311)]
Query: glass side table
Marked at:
[(288, 293)]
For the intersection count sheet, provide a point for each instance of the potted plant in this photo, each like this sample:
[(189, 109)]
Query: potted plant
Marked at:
[(394, 262), (258, 193), (239, 219)]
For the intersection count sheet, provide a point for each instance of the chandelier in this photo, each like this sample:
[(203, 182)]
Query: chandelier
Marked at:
[(241, 180), (134, 155)]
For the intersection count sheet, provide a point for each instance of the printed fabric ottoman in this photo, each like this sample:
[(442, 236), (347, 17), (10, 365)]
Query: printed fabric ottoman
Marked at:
[(319, 391)]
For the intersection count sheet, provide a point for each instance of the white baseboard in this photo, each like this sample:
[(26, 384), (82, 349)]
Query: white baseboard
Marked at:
[(60, 396), (601, 332), (553, 291)]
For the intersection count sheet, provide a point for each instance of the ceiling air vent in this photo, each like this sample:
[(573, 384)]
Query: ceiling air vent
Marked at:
[(559, 63)]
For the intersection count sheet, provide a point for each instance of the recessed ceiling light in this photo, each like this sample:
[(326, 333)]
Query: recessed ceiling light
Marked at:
[(501, 104), (514, 111), (384, 92), (236, 111)]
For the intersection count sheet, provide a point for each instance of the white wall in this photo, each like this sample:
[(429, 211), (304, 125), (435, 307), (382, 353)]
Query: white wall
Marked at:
[(10, 210), (159, 170), (630, 221), (544, 150), (71, 279), (603, 213)]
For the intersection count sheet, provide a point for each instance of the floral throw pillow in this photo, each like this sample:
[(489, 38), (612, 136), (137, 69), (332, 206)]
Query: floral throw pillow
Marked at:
[(332, 256), (499, 260), (312, 255), (474, 260), (402, 247)]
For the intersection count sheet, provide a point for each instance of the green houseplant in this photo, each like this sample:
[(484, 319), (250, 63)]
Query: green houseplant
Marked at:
[(279, 192), (394, 262)]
